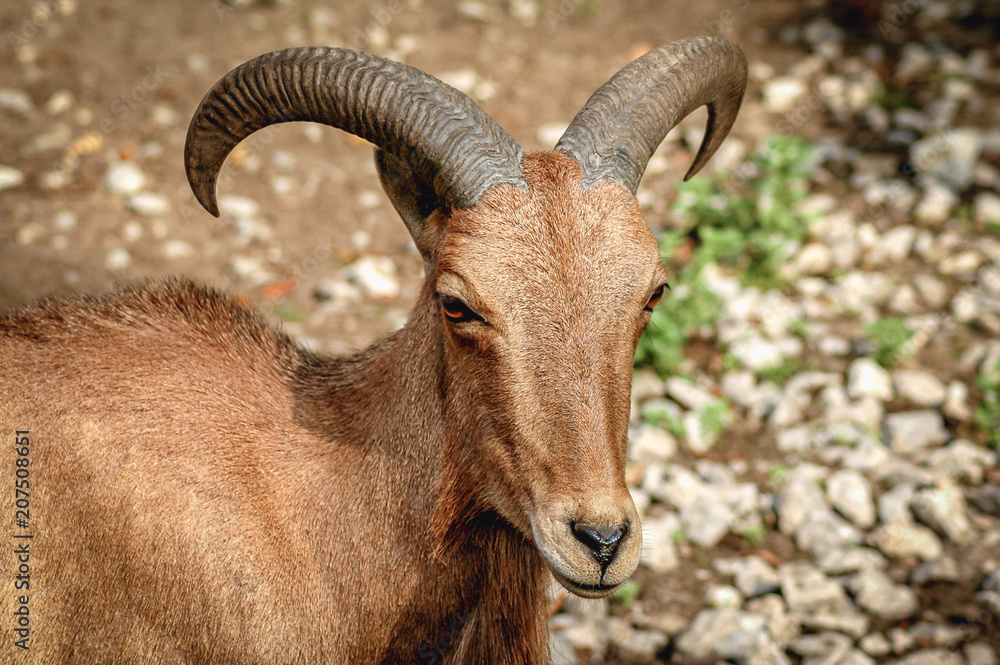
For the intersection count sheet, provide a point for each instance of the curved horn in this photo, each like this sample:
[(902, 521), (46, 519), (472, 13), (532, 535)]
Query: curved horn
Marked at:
[(616, 132), (448, 141)]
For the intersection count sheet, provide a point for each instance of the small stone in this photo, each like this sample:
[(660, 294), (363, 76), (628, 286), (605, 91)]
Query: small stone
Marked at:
[(894, 245), (752, 575), (375, 276), (875, 644), (706, 521), (117, 259), (806, 588), (901, 539), (876, 593), (337, 291), (814, 259), (647, 385), (961, 460), (922, 388), (980, 653), (723, 595), (866, 378), (913, 431), (962, 265), (659, 551), (943, 509), (550, 133), (10, 178), (850, 493), (822, 531), (797, 497), (965, 306), (688, 395), (724, 632), (124, 178), (149, 204), (17, 101), (937, 204), (841, 616), (60, 102), (894, 505), (846, 560), (825, 648), (949, 156), (986, 208), (931, 290), (238, 206), (944, 569), (929, 657), (757, 354), (652, 444), (177, 249)]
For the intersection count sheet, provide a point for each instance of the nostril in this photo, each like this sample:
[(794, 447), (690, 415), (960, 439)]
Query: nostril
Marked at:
[(602, 541)]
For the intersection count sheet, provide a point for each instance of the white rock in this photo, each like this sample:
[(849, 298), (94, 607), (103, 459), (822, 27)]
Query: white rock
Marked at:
[(782, 93), (652, 444), (894, 245), (912, 431), (124, 178), (943, 509), (706, 521), (238, 206), (149, 204), (956, 404), (18, 101), (922, 388), (550, 133), (815, 259), (117, 259), (875, 592), (850, 493), (687, 394), (986, 207), (375, 275), (937, 204), (757, 353), (949, 156), (900, 539), (806, 588), (659, 551), (60, 102), (866, 378), (932, 290), (10, 178), (177, 249), (723, 595), (965, 306)]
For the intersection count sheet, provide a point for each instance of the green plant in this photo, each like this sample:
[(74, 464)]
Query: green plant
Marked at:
[(627, 593), (748, 227), (715, 416), (754, 534), (889, 337), (776, 475), (988, 411)]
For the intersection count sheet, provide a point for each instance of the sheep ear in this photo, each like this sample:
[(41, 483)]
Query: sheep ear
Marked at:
[(412, 198)]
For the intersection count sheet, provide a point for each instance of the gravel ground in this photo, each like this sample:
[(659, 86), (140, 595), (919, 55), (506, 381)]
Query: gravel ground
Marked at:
[(848, 513)]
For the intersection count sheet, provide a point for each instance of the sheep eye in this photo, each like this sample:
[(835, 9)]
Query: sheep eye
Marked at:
[(457, 311), (655, 298)]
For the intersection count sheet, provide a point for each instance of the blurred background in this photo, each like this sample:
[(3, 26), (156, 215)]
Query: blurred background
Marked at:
[(816, 410)]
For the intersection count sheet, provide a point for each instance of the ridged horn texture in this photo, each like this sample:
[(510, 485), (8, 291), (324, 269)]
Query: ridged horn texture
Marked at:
[(448, 141), (616, 132)]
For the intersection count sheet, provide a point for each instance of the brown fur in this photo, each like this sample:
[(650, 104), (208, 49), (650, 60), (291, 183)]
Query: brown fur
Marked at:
[(205, 491)]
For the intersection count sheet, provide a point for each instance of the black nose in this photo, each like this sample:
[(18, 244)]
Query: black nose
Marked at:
[(602, 541)]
